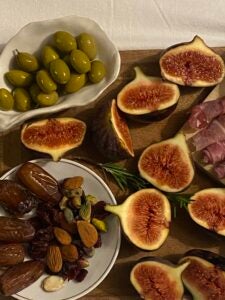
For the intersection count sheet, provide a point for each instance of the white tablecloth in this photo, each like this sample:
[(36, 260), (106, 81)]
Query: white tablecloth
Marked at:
[(131, 24)]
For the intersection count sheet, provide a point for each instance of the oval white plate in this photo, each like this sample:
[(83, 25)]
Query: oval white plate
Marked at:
[(104, 258), (32, 37)]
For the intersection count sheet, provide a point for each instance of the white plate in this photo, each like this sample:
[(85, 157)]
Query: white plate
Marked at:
[(32, 37), (104, 258)]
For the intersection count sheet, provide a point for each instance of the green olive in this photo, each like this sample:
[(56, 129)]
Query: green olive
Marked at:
[(59, 71), (47, 99), (80, 61), (45, 82), (64, 41), (76, 82), (6, 99), (27, 62), (34, 91), (97, 72), (87, 44), (19, 78), (48, 54), (22, 99)]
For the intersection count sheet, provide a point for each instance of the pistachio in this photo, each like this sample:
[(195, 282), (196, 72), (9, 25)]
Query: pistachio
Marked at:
[(68, 214), (63, 202), (92, 199), (52, 283), (89, 252), (73, 192), (83, 263), (99, 224), (76, 201), (85, 211)]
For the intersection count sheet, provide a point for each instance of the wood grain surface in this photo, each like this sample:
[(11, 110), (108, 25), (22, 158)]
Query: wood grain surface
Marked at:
[(184, 234)]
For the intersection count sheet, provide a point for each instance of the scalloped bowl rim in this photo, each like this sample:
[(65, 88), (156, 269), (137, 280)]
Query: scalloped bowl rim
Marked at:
[(9, 119)]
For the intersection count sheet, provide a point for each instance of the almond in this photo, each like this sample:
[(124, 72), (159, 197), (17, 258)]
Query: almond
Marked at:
[(62, 236), (69, 253), (54, 258), (88, 233)]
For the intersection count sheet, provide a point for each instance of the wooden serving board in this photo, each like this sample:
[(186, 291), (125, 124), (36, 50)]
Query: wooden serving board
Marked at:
[(184, 234)]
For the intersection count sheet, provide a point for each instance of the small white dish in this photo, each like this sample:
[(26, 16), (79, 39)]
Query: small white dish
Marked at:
[(32, 37), (105, 256)]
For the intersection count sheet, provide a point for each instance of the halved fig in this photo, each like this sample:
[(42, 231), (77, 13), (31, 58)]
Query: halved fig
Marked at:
[(156, 279), (145, 95), (145, 218), (53, 136), (167, 164), (110, 132), (207, 208), (203, 279), (192, 64)]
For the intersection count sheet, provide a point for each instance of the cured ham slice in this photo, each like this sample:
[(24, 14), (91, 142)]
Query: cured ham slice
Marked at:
[(219, 170), (214, 133), (204, 113), (214, 153)]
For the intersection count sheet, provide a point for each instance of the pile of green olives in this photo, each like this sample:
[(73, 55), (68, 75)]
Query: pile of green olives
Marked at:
[(63, 67)]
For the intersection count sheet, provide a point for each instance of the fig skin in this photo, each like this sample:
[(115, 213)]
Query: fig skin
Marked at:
[(203, 279), (40, 182), (15, 199), (211, 257), (54, 136), (145, 218), (193, 70), (110, 133), (146, 98), (156, 278), (167, 164), (206, 208)]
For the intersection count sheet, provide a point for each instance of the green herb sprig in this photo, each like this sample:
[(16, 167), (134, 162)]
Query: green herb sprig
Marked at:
[(124, 178), (179, 200)]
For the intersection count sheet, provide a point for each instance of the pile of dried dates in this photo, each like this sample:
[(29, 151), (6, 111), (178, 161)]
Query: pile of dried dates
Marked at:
[(58, 238)]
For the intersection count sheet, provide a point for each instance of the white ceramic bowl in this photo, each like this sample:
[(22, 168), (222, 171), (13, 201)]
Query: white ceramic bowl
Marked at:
[(30, 39), (104, 258)]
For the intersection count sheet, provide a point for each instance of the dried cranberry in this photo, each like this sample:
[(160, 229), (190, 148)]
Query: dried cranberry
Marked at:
[(98, 210), (45, 234), (70, 270), (98, 244), (43, 214), (38, 249), (35, 222), (81, 275)]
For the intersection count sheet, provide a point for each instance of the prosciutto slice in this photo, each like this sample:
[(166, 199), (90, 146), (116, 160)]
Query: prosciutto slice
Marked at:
[(214, 153), (204, 113), (219, 170), (214, 133)]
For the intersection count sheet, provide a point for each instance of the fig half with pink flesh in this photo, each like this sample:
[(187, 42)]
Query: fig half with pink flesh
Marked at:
[(154, 279), (192, 64), (53, 136), (146, 96), (167, 164), (207, 209), (203, 279), (145, 218), (110, 132)]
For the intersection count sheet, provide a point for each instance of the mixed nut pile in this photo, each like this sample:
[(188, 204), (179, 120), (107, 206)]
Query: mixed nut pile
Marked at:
[(60, 237), (65, 65)]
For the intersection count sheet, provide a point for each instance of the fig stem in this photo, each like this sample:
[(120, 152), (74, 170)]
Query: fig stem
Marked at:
[(115, 209), (182, 267)]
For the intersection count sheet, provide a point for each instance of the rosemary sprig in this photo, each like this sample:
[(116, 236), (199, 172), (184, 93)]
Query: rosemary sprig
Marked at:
[(124, 178), (179, 200)]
